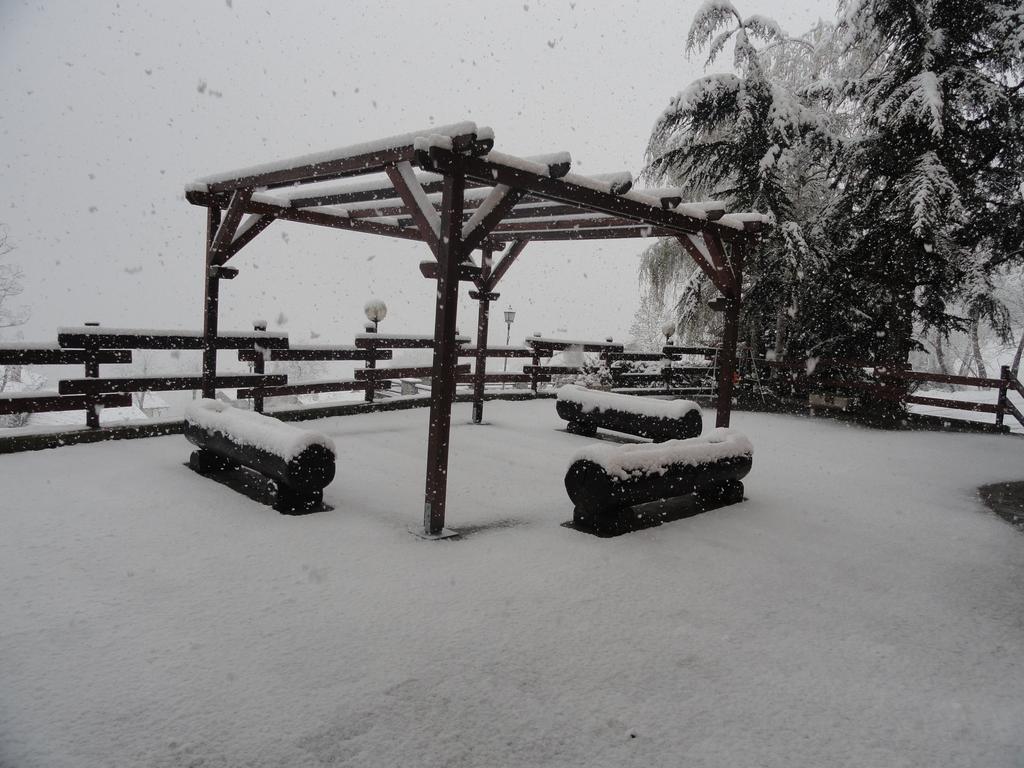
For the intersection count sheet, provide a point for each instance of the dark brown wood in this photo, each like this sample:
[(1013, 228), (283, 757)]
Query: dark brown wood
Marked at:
[(672, 349), (427, 220), (246, 233), (43, 402), (501, 200), (449, 257), (1015, 412), (559, 190), (162, 383), (960, 405), (325, 353), (259, 367), (943, 378), (480, 367), (92, 371), (571, 223), (556, 345), (730, 333), (400, 342), (310, 388), (614, 233), (498, 352), (112, 338), (499, 378), (552, 370), (54, 356), (613, 357), (503, 266), (318, 218), (412, 372), (1001, 398), (722, 282), (468, 273), (226, 230), (341, 167), (211, 296)]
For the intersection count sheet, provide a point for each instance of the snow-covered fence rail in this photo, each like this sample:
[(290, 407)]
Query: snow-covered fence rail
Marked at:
[(543, 346), (871, 380), (91, 346), (310, 353)]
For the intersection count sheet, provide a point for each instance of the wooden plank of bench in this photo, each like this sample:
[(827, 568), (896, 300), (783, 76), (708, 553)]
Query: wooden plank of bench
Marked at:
[(163, 383), (41, 403)]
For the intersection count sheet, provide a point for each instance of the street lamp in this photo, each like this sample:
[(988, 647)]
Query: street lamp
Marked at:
[(376, 310), (668, 329), (510, 317)]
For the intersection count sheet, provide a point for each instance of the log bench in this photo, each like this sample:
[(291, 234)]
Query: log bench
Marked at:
[(587, 409), (605, 481), (299, 461)]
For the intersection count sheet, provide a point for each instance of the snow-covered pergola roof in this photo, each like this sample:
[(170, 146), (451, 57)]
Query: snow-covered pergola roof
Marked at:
[(448, 188)]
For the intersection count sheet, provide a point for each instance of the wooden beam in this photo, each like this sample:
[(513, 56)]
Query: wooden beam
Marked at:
[(427, 220), (559, 190), (247, 232), (468, 273), (499, 202), (163, 383), (719, 280), (304, 170), (446, 349), (506, 261), (318, 218), (607, 233), (226, 231), (564, 224)]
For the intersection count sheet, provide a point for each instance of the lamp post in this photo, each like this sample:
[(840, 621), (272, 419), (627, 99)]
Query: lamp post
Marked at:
[(376, 310), (510, 317), (668, 329)]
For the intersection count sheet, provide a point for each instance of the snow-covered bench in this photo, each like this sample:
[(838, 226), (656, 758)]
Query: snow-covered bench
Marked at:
[(605, 480), (301, 462), (587, 409)]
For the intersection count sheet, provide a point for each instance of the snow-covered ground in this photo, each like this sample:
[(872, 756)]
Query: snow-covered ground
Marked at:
[(860, 609)]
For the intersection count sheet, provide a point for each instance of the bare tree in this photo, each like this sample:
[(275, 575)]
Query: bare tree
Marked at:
[(11, 278)]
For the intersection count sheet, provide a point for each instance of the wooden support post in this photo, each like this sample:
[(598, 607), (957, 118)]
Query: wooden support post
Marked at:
[(730, 333), (480, 367), (371, 362), (535, 362), (1004, 384), (211, 296), (259, 365), (442, 389), (92, 371)]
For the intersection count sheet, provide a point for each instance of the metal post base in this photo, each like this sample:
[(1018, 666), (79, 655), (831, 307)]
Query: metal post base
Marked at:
[(420, 533)]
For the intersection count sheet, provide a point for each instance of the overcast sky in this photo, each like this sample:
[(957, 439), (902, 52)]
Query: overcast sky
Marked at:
[(109, 109)]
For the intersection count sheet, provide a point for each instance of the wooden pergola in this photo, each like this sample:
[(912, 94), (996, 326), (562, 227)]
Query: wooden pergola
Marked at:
[(448, 188)]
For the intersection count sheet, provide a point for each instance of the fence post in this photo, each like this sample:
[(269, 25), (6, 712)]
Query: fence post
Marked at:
[(1004, 384), (92, 371), (371, 362), (258, 366)]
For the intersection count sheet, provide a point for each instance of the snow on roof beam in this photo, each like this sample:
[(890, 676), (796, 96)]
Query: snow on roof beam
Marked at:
[(349, 161), (485, 169)]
